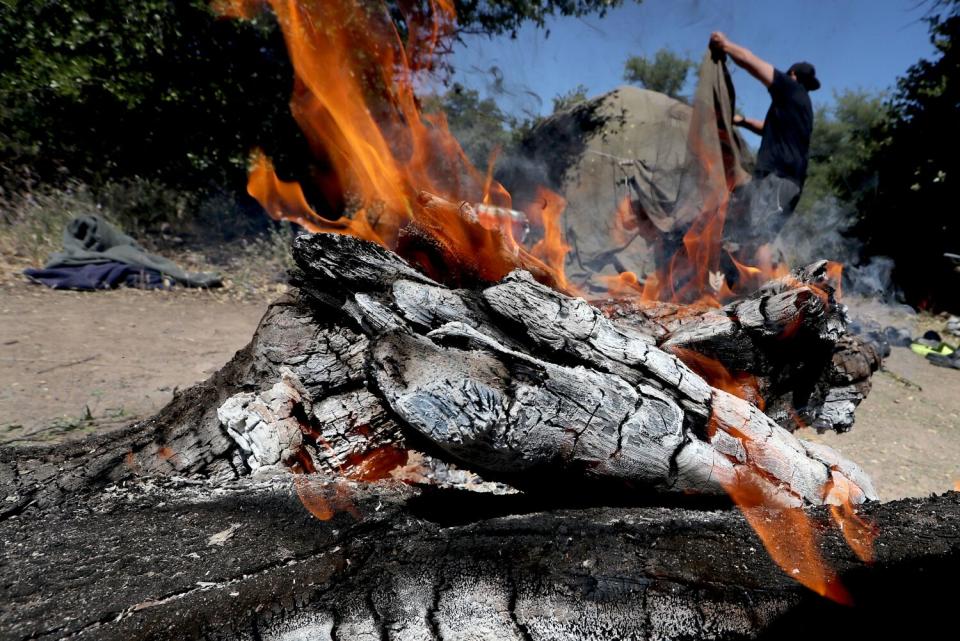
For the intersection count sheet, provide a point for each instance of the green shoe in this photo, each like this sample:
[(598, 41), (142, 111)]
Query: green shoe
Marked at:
[(940, 350)]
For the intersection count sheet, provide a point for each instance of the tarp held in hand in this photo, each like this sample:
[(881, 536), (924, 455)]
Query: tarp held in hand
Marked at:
[(660, 155)]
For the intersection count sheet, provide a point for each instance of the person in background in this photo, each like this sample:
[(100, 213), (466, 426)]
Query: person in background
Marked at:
[(759, 210)]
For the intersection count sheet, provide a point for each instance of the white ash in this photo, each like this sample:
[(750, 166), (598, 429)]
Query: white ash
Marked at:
[(264, 424)]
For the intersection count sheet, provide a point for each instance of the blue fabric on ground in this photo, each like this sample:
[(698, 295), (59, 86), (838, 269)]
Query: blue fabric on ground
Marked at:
[(89, 277), (90, 240)]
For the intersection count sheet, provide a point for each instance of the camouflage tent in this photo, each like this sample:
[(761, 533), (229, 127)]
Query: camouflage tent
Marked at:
[(636, 167)]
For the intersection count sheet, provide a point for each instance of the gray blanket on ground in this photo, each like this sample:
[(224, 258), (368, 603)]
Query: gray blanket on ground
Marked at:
[(89, 240)]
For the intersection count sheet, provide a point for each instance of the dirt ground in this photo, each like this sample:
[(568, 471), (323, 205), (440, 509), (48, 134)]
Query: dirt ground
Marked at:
[(907, 439), (74, 363)]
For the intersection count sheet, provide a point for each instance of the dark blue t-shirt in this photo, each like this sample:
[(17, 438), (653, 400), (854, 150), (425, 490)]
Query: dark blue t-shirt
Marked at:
[(786, 130)]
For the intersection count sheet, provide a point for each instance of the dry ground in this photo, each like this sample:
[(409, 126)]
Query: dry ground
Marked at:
[(75, 362)]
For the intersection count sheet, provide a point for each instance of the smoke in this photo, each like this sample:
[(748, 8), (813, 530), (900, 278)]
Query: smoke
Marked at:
[(822, 231)]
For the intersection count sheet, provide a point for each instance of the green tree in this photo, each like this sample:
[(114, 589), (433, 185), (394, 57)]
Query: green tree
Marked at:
[(100, 90), (491, 17), (666, 73), (112, 89), (913, 214), (841, 148), (566, 100)]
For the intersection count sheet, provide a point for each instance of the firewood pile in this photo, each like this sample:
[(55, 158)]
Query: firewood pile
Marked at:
[(394, 458)]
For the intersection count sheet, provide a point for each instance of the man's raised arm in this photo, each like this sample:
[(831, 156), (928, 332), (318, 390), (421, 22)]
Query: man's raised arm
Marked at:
[(757, 67)]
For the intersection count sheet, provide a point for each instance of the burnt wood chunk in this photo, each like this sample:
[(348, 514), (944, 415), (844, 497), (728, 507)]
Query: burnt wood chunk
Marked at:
[(190, 525)]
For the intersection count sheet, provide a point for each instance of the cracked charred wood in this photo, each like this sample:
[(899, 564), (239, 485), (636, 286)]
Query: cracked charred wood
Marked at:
[(172, 559), (297, 349), (602, 402), (516, 381), (790, 335)]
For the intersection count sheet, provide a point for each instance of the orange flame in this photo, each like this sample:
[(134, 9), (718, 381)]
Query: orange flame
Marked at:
[(354, 99), (623, 285), (551, 249), (858, 533), (787, 533), (753, 276), (789, 538)]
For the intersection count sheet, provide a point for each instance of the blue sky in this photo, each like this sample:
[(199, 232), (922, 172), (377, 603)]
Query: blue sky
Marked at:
[(853, 43)]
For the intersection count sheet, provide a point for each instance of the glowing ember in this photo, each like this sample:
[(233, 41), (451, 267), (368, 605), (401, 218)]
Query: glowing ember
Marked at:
[(324, 498)]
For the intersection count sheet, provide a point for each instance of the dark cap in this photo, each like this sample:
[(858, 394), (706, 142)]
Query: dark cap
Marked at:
[(806, 75)]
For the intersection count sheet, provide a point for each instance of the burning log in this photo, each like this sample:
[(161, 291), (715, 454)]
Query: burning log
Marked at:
[(370, 370), (787, 341), (598, 399), (518, 382)]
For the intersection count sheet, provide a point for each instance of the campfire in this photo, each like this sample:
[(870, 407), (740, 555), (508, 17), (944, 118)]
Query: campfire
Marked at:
[(467, 425), (682, 411)]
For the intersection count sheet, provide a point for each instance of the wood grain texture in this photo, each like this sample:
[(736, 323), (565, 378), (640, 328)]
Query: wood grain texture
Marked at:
[(172, 559), (189, 526)]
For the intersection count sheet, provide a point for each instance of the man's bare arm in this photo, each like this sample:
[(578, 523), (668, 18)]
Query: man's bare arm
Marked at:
[(752, 124), (757, 67)]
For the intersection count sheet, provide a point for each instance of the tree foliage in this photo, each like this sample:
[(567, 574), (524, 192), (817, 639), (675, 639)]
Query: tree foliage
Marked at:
[(113, 88), (103, 90), (666, 73), (843, 142), (573, 97), (912, 216), (506, 16)]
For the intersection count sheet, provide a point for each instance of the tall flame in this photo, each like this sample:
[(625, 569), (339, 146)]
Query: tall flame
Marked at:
[(354, 100)]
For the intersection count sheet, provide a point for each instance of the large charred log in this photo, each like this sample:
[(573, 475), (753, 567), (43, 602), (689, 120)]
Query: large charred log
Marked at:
[(178, 559), (370, 364)]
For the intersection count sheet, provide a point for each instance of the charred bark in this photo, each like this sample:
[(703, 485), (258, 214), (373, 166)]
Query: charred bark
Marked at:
[(174, 559), (188, 525), (516, 381)]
